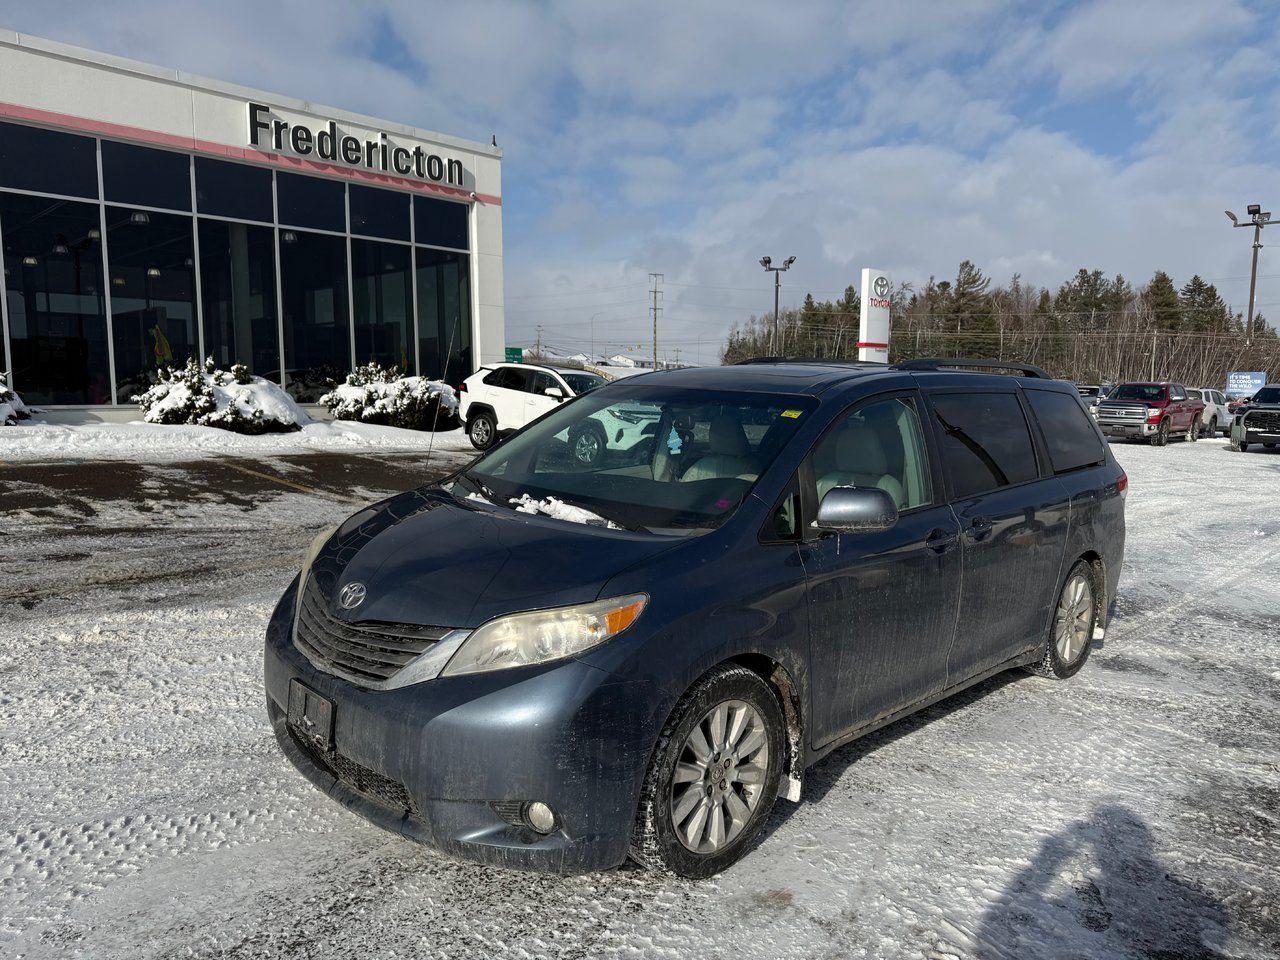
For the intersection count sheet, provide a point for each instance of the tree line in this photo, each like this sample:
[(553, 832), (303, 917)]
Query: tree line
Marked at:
[(1092, 329)]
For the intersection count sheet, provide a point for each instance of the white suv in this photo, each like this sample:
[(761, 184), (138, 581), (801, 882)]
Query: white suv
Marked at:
[(1216, 418), (505, 396)]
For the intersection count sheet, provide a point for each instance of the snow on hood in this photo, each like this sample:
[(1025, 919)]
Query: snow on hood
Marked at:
[(559, 510)]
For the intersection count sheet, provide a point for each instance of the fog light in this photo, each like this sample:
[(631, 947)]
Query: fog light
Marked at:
[(539, 816)]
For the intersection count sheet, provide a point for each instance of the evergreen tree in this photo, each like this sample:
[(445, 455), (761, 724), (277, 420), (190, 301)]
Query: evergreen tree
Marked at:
[(1161, 297)]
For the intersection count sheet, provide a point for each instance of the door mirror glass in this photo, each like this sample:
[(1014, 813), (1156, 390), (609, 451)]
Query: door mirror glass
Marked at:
[(554, 392), (856, 510)]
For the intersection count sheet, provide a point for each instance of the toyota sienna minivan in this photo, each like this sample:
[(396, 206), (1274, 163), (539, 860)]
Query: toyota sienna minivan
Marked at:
[(553, 664)]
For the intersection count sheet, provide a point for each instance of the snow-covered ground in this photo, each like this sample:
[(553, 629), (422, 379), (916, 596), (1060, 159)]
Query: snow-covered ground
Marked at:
[(1131, 812), (150, 441)]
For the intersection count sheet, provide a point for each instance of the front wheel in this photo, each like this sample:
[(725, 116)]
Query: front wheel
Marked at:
[(1212, 431), (713, 777), (1071, 634), (1193, 430), (1239, 446), (1161, 437)]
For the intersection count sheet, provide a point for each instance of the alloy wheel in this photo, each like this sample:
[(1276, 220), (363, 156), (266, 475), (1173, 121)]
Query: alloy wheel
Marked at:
[(587, 447), (480, 432), (719, 777), (1073, 621)]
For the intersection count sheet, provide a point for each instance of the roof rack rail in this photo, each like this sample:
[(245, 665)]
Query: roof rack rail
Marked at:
[(939, 363)]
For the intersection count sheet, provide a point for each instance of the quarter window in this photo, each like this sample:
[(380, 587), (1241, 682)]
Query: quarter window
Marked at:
[(985, 441), (1069, 434), (880, 445)]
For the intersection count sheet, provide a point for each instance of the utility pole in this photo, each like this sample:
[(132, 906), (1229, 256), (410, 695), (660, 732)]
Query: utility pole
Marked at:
[(538, 349), (767, 263), (1258, 218), (656, 291)]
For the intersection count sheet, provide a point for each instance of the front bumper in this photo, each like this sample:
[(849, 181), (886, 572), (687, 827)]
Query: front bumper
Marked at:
[(448, 762), (1127, 428), (1242, 433)]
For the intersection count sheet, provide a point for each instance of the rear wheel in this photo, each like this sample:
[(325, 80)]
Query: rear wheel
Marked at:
[(1071, 633), (713, 777), (482, 430), (588, 445), (1161, 437), (1212, 430), (1239, 446)]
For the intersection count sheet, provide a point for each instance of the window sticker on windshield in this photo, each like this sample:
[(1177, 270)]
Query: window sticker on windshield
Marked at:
[(791, 414), (674, 443)]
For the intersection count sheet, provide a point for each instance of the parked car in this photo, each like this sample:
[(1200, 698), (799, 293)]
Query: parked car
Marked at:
[(1258, 421), (503, 397), (1214, 417), (548, 664), (1092, 395), (1234, 405), (1150, 411)]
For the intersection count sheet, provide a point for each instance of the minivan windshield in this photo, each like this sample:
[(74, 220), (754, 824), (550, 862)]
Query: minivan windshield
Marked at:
[(1146, 392), (654, 458)]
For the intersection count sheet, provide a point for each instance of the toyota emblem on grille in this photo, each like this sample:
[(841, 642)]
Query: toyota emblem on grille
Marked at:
[(352, 595)]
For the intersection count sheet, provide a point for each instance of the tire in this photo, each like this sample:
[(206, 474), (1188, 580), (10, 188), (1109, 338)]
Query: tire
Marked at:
[(1161, 437), (482, 430), (1239, 446), (1071, 628), (588, 445), (1213, 428), (692, 852)]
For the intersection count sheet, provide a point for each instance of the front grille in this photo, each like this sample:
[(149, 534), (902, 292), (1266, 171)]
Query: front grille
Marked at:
[(1121, 412), (1265, 421), (369, 652), (368, 783)]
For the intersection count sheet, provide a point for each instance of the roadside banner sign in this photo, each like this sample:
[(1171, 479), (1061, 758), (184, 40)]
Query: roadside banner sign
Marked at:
[(515, 355), (1244, 384), (873, 330)]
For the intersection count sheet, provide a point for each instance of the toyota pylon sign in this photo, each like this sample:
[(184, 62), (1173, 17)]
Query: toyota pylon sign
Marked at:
[(873, 331)]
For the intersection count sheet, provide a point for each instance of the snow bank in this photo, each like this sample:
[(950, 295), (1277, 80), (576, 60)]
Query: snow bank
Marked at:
[(12, 409), (372, 394), (151, 442), (230, 400)]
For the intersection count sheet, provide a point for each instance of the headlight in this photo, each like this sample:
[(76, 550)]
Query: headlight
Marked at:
[(541, 635), (1154, 414)]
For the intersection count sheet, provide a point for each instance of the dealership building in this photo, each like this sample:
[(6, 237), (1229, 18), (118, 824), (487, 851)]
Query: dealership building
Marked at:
[(148, 216)]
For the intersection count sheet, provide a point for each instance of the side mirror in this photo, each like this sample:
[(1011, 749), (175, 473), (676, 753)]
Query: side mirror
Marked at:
[(856, 510), (554, 392)]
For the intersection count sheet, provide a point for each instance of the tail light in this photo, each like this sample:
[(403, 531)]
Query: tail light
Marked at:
[(462, 387), (1122, 485)]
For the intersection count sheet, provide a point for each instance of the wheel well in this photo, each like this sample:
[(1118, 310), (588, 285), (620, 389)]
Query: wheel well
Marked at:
[(476, 408), (1099, 566), (784, 688)]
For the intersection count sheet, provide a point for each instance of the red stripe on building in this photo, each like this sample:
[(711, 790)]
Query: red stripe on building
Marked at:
[(105, 128)]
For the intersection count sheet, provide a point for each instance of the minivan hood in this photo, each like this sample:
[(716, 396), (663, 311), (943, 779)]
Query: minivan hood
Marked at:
[(425, 559)]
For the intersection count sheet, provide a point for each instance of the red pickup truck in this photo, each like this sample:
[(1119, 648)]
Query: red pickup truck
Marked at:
[(1150, 411)]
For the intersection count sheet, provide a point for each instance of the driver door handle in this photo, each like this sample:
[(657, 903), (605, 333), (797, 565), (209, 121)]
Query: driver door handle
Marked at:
[(940, 541)]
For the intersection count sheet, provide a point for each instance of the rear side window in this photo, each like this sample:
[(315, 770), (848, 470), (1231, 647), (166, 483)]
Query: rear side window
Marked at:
[(1069, 435), (497, 378), (985, 441)]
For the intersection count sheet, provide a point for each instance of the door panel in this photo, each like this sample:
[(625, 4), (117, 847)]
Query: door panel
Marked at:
[(882, 611), (1013, 543)]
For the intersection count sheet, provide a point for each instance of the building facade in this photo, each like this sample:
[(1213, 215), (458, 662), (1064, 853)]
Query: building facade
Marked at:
[(148, 216)]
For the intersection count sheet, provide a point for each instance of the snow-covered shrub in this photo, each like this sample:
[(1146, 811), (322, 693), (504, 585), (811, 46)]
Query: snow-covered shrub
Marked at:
[(373, 394), (228, 399), (12, 409)]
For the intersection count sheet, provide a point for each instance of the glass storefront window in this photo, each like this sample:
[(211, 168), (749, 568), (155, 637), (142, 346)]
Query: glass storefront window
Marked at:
[(150, 178), (311, 202), (379, 213), (238, 294), (57, 317), (382, 290), (317, 332), (153, 314), (233, 190), (440, 223), (48, 161), (444, 314)]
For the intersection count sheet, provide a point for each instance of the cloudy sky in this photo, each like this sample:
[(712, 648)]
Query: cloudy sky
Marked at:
[(691, 138)]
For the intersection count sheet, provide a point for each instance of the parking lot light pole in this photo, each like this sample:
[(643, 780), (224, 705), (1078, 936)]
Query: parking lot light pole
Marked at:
[(1258, 218), (767, 263)]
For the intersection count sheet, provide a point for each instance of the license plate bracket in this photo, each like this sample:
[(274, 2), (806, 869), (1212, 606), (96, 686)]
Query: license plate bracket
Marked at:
[(311, 715)]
